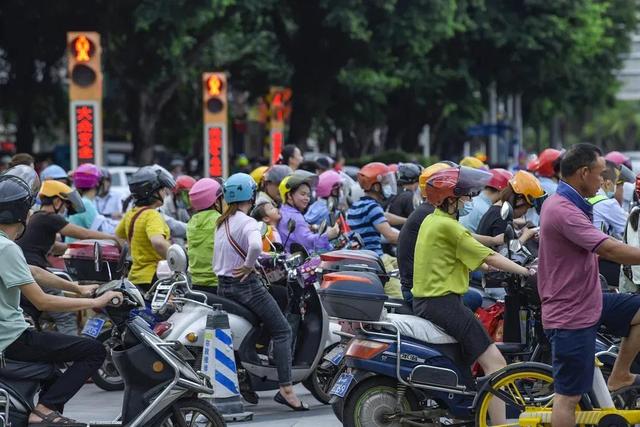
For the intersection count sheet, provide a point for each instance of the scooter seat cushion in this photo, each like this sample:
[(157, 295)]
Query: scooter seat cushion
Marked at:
[(233, 307), (419, 329)]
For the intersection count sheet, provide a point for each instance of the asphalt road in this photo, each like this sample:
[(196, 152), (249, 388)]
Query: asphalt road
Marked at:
[(93, 404)]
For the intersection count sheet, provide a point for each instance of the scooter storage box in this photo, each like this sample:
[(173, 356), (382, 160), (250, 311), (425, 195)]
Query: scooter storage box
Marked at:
[(79, 258), (353, 295), (352, 260)]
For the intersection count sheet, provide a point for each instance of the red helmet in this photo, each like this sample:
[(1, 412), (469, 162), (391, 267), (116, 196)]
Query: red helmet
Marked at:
[(546, 162), (456, 182), (499, 178), (376, 173), (532, 164), (183, 183)]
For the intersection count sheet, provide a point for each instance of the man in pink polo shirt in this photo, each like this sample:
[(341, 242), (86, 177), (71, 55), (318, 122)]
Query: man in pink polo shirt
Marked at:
[(573, 305)]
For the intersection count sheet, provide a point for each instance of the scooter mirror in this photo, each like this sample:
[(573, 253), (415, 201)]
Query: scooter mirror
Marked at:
[(506, 212), (509, 234), (322, 227), (177, 259), (97, 256), (291, 225), (263, 228)]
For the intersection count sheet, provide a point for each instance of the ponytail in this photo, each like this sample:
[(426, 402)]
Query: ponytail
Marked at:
[(232, 208)]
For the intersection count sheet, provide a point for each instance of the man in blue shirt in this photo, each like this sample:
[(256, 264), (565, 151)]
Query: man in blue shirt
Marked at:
[(366, 216)]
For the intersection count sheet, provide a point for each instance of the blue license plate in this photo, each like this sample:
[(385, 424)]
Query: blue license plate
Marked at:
[(342, 385), (336, 355), (93, 327)]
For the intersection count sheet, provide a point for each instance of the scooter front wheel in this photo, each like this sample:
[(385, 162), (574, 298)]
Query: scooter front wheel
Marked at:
[(107, 377), (191, 412)]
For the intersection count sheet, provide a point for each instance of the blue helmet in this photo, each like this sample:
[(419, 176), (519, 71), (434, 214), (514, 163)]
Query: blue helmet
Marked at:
[(240, 187), (53, 172)]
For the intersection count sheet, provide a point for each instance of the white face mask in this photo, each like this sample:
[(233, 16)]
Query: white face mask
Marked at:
[(388, 191)]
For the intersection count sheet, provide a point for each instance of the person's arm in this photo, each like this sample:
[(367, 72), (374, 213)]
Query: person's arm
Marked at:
[(81, 233), (253, 251), (617, 218), (616, 251), (501, 263), (58, 248), (47, 279), (160, 244), (45, 302), (489, 240), (389, 233), (394, 219)]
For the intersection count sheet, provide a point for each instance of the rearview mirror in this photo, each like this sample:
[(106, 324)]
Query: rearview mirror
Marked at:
[(509, 234), (263, 228), (506, 211), (291, 225), (322, 227), (331, 204)]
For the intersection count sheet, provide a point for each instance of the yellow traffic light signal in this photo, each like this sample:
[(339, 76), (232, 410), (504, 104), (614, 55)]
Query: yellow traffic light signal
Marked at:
[(214, 112), (85, 97)]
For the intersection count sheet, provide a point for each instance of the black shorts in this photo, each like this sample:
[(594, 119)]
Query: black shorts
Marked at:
[(449, 313), (573, 350)]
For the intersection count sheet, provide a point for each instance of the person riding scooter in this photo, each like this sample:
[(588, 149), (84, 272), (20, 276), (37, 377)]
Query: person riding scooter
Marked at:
[(329, 187), (445, 254), (295, 191), (238, 244), (405, 202), (19, 342), (143, 226), (270, 186)]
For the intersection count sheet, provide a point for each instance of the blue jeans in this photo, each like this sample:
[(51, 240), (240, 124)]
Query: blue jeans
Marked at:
[(254, 295)]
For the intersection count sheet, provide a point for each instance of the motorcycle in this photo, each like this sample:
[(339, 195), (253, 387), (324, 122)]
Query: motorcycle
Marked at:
[(312, 337), (161, 388)]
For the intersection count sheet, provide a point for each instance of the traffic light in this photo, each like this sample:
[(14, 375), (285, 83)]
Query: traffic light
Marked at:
[(280, 108), (214, 108), (85, 97)]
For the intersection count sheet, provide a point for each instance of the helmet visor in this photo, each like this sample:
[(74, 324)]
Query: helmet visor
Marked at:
[(164, 177), (471, 181), (75, 201), (389, 185), (626, 175)]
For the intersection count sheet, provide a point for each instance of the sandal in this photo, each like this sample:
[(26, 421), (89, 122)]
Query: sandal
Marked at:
[(279, 398), (54, 419), (634, 384)]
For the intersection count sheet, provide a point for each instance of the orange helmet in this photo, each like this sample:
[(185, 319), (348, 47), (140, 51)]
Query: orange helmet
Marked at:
[(455, 182), (547, 161), (427, 172), (378, 173), (526, 185)]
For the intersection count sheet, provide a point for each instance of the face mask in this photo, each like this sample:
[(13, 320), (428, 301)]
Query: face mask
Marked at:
[(466, 209), (611, 194)]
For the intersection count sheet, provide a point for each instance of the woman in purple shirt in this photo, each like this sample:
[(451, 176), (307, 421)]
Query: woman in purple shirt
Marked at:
[(238, 243), (295, 191)]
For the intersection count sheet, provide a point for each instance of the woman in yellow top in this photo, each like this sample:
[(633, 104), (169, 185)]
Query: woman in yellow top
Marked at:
[(445, 253), (143, 226)]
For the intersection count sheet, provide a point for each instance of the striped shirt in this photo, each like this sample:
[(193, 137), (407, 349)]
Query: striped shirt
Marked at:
[(362, 217)]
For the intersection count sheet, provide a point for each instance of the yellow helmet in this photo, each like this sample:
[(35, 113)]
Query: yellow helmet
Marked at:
[(51, 188), (527, 185), (472, 162), (427, 172), (295, 180), (258, 173)]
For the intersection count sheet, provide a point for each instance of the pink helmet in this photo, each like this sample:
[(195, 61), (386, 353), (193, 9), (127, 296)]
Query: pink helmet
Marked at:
[(86, 176), (326, 181), (204, 193), (618, 158)]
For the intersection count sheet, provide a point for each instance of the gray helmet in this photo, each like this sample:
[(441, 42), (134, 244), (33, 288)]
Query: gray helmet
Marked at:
[(28, 175), (16, 199), (408, 173), (148, 180), (276, 173)]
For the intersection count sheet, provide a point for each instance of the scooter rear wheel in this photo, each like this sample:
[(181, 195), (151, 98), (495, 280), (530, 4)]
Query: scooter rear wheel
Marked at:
[(191, 412)]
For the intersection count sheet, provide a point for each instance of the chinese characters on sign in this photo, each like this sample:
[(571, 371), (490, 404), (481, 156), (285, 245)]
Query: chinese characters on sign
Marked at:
[(214, 136), (84, 122), (276, 145)]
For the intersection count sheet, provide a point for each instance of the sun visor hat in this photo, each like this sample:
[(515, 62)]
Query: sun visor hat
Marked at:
[(471, 181), (28, 175), (626, 174), (75, 202)]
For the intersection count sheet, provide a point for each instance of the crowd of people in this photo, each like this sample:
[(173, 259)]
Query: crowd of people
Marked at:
[(442, 226)]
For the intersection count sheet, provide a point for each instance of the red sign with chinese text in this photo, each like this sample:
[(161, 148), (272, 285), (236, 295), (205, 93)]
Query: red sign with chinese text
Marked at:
[(214, 143), (85, 136), (276, 145)]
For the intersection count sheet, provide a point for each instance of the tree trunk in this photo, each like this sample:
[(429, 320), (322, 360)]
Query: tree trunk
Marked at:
[(301, 117), (148, 116), (24, 84)]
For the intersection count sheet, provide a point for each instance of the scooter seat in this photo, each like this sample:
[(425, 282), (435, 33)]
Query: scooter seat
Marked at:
[(419, 329), (17, 370), (233, 307)]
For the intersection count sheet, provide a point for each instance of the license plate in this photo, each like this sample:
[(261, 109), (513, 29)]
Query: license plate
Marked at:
[(342, 385), (93, 327), (335, 356)]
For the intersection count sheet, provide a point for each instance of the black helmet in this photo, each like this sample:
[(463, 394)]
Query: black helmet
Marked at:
[(28, 175), (16, 198), (408, 173), (145, 183)]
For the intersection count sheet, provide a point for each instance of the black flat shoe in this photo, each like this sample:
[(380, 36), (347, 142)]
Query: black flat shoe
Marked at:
[(281, 400)]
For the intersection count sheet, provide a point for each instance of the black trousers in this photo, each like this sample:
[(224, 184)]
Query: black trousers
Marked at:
[(86, 354)]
